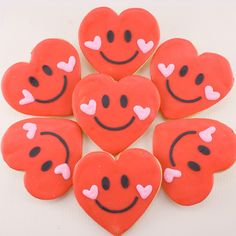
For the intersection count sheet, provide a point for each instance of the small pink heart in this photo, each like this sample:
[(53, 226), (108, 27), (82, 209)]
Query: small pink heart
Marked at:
[(64, 170), (206, 135), (95, 44), (166, 70), (143, 46), (211, 94), (141, 112), (92, 193), (28, 97), (31, 129), (67, 66), (170, 174), (90, 108), (144, 191)]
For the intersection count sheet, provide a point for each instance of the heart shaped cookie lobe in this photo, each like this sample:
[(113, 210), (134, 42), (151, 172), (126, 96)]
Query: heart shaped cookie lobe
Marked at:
[(191, 151), (115, 113), (47, 151), (118, 45), (44, 86), (188, 82), (116, 192)]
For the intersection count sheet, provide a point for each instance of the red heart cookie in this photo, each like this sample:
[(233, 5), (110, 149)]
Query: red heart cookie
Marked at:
[(189, 82), (45, 85), (115, 113), (190, 152), (115, 193), (118, 44), (47, 150)]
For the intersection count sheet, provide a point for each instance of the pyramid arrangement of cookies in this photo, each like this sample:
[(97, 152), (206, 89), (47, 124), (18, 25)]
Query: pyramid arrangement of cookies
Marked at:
[(114, 108)]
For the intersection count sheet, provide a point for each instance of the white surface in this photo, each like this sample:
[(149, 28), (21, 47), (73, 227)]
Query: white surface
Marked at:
[(208, 24)]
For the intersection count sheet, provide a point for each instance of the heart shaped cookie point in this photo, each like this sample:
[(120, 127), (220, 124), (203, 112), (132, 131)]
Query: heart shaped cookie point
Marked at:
[(107, 110), (116, 192), (118, 45), (191, 154), (47, 150), (44, 85), (188, 82)]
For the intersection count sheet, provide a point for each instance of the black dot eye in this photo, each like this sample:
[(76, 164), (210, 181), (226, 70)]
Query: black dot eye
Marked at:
[(194, 166), (183, 71), (199, 79), (124, 101), (47, 70), (34, 82), (46, 166), (127, 36), (124, 181), (105, 101), (110, 36), (204, 150), (34, 151), (105, 183)]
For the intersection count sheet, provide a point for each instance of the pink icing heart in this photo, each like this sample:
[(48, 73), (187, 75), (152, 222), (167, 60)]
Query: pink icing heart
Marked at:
[(28, 97), (90, 108), (211, 94), (166, 70), (170, 174), (31, 129), (64, 170), (141, 112), (95, 44), (206, 135), (143, 46), (92, 193), (67, 66), (144, 191)]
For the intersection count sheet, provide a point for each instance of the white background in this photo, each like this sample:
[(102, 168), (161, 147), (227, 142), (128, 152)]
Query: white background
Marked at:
[(210, 25)]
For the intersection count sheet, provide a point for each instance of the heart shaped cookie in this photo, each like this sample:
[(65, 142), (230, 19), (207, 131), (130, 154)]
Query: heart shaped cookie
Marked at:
[(44, 86), (118, 44), (188, 82), (115, 113), (191, 151), (47, 151), (116, 193)]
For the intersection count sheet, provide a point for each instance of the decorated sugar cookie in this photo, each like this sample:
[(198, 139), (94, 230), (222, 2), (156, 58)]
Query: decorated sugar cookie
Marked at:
[(47, 151), (115, 113), (191, 151), (44, 86), (118, 44), (188, 82), (115, 193)]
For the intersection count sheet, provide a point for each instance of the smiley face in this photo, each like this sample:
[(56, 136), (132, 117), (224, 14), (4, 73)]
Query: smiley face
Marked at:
[(118, 44), (190, 154), (189, 82), (54, 64), (115, 193), (114, 114), (46, 152)]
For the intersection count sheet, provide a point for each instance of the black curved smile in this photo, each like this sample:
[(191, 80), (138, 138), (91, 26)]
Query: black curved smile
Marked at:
[(57, 96), (119, 62), (61, 140), (178, 138), (178, 98), (114, 128), (116, 211)]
